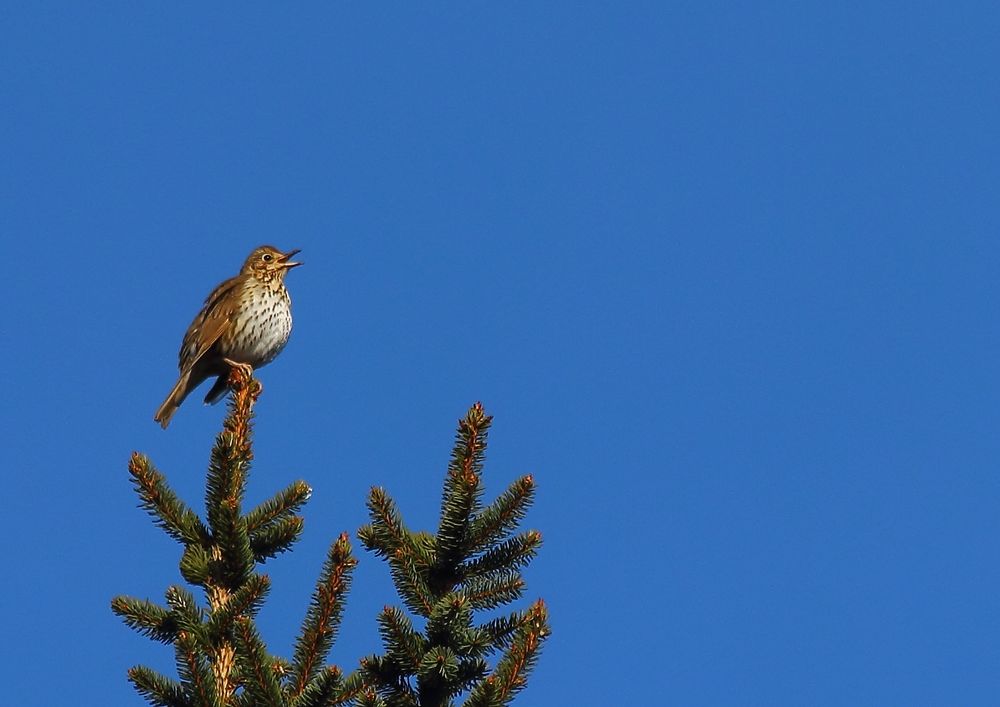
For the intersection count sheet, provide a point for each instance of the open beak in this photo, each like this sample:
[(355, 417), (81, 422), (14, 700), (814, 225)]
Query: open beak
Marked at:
[(286, 261)]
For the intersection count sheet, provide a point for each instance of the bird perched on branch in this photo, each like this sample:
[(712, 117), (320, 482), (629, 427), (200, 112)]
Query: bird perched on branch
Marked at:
[(245, 323)]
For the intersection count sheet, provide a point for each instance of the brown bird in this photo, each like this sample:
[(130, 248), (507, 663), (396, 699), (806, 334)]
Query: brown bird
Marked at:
[(245, 323)]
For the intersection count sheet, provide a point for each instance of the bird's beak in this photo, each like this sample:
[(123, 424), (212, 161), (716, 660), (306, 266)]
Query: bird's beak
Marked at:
[(286, 261)]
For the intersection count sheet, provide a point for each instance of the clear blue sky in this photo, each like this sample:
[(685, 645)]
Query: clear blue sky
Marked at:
[(725, 273)]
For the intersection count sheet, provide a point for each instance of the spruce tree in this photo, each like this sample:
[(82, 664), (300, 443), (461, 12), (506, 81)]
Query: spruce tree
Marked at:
[(472, 564), (221, 659)]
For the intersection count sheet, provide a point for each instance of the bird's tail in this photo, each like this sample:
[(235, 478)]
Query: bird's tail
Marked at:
[(173, 401)]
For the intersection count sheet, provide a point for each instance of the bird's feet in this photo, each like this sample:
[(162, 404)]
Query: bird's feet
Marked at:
[(244, 368), (245, 371)]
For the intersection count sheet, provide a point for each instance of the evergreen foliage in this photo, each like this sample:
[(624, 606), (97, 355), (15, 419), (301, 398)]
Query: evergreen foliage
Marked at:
[(471, 564), (221, 659)]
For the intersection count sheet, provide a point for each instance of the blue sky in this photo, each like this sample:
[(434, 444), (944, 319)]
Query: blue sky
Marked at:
[(725, 275)]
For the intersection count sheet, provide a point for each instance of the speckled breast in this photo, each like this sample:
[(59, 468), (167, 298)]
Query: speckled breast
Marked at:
[(262, 326)]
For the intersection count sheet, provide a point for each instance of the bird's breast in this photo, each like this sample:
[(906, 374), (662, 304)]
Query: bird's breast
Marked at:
[(261, 326)]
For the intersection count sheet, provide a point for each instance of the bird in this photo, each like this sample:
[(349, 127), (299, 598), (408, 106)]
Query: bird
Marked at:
[(244, 323)]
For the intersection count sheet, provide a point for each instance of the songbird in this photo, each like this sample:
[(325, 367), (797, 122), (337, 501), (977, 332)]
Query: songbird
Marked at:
[(245, 323)]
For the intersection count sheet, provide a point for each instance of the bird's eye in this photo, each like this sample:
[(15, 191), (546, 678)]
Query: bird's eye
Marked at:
[(268, 257)]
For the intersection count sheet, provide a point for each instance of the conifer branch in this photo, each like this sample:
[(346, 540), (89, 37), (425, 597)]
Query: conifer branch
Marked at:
[(157, 499), (511, 672), (470, 672), (408, 556), (514, 552), (474, 643), (246, 390), (490, 592), (485, 694), (226, 483), (185, 612), (195, 672), (350, 689), (370, 698), (275, 537), (244, 602), (196, 564), (462, 489), (319, 628), (322, 690), (284, 504), (450, 612), (234, 556), (437, 676), (386, 533), (227, 475), (405, 647), (389, 679), (409, 578), (255, 664), (498, 632), (158, 690), (146, 617), (503, 515)]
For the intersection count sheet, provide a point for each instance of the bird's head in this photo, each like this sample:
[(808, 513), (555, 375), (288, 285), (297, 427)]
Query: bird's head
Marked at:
[(267, 263)]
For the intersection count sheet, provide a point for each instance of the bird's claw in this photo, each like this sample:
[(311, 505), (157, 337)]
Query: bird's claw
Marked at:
[(244, 368), (240, 374)]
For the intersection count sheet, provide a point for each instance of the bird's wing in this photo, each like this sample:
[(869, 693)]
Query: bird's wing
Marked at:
[(210, 323)]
